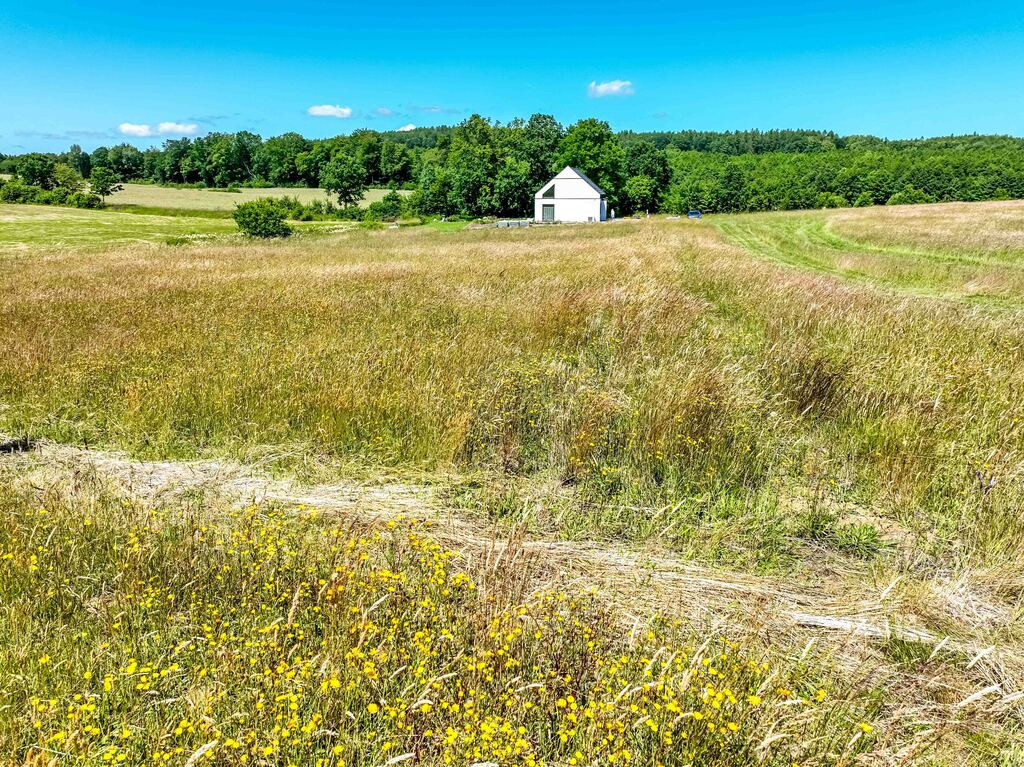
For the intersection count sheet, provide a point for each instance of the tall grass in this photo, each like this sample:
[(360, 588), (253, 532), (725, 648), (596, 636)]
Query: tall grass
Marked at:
[(147, 637), (640, 364)]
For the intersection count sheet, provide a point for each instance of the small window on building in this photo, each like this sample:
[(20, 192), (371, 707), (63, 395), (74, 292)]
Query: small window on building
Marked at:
[(549, 192), (547, 213)]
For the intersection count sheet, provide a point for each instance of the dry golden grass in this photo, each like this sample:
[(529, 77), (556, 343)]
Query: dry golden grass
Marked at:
[(151, 196), (992, 229), (641, 362), (851, 432)]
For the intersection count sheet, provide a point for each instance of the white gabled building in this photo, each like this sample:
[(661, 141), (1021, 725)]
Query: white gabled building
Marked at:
[(569, 196)]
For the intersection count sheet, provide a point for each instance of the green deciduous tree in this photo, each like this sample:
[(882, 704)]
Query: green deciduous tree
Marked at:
[(78, 160), (643, 158), (394, 163), (344, 176), (103, 182), (67, 178), (36, 169), (591, 147), (640, 194), (472, 167), (125, 161), (276, 160), (513, 188)]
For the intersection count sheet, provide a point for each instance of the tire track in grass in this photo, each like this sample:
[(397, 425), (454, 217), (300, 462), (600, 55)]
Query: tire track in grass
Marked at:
[(806, 242), (852, 608)]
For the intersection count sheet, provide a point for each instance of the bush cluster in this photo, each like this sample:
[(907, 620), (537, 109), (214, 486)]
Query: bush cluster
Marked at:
[(17, 191), (391, 207), (262, 218)]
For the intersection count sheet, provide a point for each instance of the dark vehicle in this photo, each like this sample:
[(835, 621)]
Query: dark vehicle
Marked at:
[(693, 214)]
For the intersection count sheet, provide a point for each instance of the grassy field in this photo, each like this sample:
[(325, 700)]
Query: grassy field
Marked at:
[(35, 228), (150, 196), (832, 400), (950, 250)]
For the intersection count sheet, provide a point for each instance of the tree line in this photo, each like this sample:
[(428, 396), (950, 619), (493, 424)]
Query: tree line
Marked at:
[(483, 168)]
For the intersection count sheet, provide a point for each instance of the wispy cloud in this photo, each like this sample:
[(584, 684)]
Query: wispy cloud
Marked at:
[(71, 135), (384, 112), (434, 109), (406, 128), (329, 110), (598, 90), (168, 128)]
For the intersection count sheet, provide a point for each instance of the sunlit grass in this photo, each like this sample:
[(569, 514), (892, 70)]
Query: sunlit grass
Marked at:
[(647, 384), (275, 637), (643, 363), (37, 228), (153, 196), (963, 251)]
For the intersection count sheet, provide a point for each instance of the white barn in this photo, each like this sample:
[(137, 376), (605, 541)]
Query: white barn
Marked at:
[(569, 196)]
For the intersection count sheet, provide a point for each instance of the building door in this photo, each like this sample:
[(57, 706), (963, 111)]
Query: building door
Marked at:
[(547, 213)]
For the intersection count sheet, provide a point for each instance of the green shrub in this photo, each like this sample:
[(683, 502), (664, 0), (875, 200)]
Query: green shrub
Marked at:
[(910, 195), (262, 218), (388, 208), (321, 209), (56, 196), (864, 200), (830, 200), (22, 193), (352, 213), (84, 200), (19, 192)]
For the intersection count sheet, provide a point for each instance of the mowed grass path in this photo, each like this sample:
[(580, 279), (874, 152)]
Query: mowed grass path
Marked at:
[(150, 196), (31, 228), (962, 251)]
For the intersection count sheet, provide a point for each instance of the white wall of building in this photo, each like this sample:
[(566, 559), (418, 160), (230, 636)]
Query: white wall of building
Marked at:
[(570, 210), (575, 200)]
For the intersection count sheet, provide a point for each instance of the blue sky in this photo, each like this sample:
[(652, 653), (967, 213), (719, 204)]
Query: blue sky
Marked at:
[(105, 72)]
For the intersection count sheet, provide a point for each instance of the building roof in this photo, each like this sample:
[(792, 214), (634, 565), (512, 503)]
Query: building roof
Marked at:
[(577, 172), (583, 175)]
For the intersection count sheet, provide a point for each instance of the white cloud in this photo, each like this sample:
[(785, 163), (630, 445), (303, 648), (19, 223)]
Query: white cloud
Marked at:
[(134, 129), (384, 112), (162, 129), (406, 128), (173, 127), (328, 110), (598, 90)]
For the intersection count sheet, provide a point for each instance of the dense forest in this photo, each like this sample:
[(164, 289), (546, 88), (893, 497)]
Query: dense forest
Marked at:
[(482, 168)]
